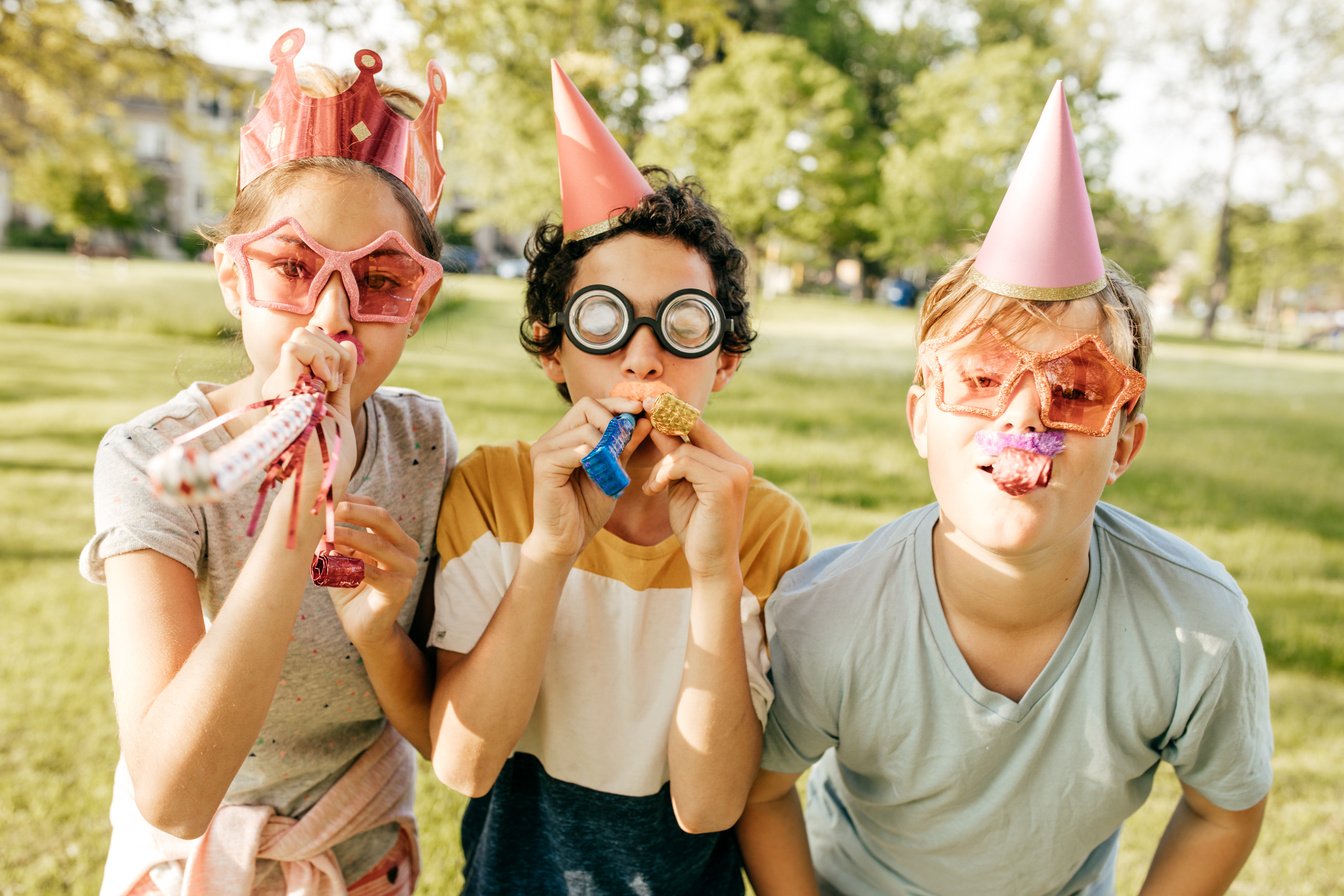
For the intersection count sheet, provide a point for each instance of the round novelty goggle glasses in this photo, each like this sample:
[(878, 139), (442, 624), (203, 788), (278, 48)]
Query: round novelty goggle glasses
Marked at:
[(1081, 387), (285, 269), (600, 320)]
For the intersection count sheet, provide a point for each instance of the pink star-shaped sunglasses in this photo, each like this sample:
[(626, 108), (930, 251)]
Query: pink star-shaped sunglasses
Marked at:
[(1081, 386), (285, 269)]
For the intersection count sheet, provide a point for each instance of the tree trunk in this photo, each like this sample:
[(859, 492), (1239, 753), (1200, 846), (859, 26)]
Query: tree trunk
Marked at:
[(1222, 254), (1222, 268), (751, 248)]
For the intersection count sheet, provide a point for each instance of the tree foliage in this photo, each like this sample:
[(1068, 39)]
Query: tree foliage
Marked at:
[(65, 70), (635, 61), (962, 128), (1275, 261), (965, 121), (842, 33), (781, 140), (626, 56), (1261, 66), (883, 131)]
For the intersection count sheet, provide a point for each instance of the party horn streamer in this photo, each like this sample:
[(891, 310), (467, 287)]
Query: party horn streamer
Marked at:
[(276, 446)]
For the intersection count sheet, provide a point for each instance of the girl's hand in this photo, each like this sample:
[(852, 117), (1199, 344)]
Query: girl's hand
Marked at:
[(311, 351), (391, 560), (707, 484), (567, 507)]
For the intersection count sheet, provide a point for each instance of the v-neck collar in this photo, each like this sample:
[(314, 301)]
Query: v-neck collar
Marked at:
[(960, 670)]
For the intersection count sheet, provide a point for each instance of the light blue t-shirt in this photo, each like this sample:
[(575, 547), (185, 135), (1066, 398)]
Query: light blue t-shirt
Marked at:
[(929, 783)]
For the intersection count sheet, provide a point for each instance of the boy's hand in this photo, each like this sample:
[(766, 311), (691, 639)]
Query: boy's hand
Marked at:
[(391, 558), (568, 508), (707, 483)]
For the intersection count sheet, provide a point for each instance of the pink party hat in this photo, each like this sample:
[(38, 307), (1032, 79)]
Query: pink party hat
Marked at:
[(1042, 245), (597, 179), (355, 124)]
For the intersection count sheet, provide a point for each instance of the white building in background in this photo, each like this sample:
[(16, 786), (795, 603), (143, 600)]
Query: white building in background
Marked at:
[(189, 143)]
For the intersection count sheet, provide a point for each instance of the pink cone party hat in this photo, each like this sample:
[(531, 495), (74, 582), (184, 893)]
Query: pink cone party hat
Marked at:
[(1042, 245), (597, 179)]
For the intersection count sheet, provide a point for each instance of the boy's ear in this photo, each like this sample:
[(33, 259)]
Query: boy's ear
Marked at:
[(550, 363), (1127, 446), (728, 364), (917, 418), (230, 285)]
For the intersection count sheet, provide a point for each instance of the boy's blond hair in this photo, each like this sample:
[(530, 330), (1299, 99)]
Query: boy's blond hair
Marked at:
[(1127, 320)]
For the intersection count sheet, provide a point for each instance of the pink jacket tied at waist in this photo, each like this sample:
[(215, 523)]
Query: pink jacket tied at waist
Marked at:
[(377, 790)]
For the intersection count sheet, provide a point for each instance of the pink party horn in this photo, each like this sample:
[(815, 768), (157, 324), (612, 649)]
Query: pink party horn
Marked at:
[(275, 446)]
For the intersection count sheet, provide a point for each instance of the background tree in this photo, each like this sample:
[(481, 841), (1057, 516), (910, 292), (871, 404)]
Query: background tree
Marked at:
[(66, 69), (962, 128), (1278, 264), (964, 121), (1262, 66), (626, 56), (782, 141), (877, 59), (635, 61)]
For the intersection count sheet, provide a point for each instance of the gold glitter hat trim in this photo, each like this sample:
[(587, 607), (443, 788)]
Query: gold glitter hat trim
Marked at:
[(1037, 293), (593, 229)]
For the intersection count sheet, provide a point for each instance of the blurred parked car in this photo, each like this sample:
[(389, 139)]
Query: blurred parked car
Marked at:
[(459, 259), (511, 267)]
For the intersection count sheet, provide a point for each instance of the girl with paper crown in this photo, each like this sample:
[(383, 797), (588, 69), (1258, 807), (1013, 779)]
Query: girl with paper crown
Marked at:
[(255, 756), (988, 684), (601, 674)]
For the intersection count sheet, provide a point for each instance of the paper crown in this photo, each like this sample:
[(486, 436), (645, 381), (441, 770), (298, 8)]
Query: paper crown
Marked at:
[(597, 179), (1042, 245), (355, 124)]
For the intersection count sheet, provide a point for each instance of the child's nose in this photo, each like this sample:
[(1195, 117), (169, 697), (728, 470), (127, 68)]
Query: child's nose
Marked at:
[(643, 355), (1023, 413), (332, 312)]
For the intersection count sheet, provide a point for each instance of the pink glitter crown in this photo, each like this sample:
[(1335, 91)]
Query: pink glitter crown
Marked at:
[(356, 124)]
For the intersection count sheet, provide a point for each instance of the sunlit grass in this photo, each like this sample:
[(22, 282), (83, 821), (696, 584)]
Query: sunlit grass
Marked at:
[(1243, 459)]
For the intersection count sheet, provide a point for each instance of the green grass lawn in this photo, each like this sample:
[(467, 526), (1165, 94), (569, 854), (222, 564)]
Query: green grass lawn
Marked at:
[(1244, 458)]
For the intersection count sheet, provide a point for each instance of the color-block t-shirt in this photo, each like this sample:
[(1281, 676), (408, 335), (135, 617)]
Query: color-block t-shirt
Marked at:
[(929, 783), (583, 804)]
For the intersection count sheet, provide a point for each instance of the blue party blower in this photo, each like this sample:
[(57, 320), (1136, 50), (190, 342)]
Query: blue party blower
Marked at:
[(603, 463)]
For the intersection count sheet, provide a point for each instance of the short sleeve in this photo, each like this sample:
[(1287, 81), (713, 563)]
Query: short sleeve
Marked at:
[(758, 658), (1225, 749), (127, 515), (775, 539), (473, 572), (804, 718)]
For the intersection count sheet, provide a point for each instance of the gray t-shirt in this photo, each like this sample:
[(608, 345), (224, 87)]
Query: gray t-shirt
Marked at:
[(929, 783), (324, 714)]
